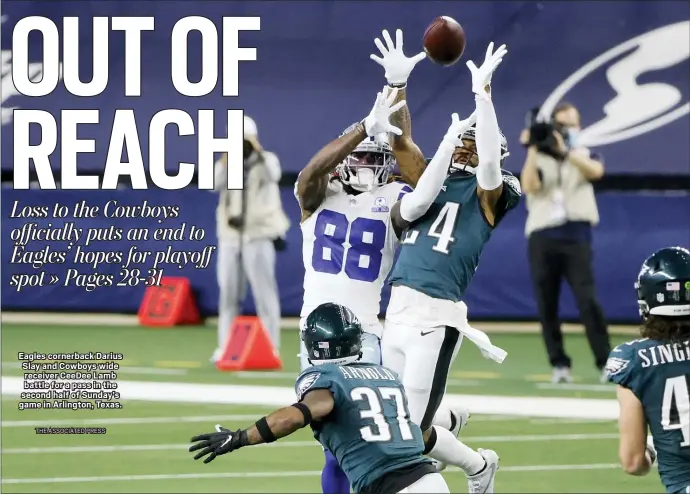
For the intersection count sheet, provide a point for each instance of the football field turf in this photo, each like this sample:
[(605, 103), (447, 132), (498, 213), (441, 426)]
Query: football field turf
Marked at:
[(145, 446)]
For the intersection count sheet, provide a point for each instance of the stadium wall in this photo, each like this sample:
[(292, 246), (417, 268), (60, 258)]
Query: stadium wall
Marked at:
[(632, 226)]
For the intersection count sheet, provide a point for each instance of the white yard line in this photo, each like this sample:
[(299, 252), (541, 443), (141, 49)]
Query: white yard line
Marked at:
[(274, 474), (604, 388), (296, 444)]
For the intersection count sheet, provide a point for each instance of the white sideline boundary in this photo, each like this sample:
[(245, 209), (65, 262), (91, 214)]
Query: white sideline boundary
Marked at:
[(542, 407)]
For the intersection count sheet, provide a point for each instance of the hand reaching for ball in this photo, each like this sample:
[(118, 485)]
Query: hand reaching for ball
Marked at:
[(397, 66), (481, 77), (378, 120)]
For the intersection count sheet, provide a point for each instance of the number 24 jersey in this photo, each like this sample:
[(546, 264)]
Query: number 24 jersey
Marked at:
[(348, 249)]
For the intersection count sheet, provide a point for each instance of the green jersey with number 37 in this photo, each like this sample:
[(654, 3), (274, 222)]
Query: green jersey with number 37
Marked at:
[(440, 251), (369, 430), (658, 373)]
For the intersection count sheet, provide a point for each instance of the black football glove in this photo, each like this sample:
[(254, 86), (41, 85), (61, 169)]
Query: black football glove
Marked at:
[(218, 443)]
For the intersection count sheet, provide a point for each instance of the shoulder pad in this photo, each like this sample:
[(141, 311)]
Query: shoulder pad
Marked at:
[(395, 190), (317, 377), (620, 364)]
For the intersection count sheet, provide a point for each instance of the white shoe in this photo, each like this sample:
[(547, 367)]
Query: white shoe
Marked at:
[(483, 482), (461, 416), (561, 375)]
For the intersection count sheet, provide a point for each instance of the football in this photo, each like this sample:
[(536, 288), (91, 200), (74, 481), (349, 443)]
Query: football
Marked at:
[(444, 41)]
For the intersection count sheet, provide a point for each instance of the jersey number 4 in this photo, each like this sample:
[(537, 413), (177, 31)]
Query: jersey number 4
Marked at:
[(675, 408), (442, 228), (367, 238), (381, 432)]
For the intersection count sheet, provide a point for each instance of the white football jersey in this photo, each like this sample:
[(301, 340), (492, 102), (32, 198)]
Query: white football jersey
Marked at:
[(348, 249)]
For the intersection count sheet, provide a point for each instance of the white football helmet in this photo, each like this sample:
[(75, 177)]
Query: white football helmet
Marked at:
[(369, 165)]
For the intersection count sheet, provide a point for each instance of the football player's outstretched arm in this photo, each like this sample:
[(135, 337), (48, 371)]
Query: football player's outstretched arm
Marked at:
[(487, 135), (634, 455), (398, 68), (408, 155), (414, 204), (315, 405), (285, 421), (313, 180)]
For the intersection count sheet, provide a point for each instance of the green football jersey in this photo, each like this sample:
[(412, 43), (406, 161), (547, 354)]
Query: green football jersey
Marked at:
[(440, 251), (659, 375), (369, 430)]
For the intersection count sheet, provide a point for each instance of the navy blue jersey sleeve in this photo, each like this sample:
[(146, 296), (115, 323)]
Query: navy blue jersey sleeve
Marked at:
[(620, 367), (311, 379)]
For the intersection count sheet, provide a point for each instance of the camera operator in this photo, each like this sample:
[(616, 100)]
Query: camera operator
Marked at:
[(251, 225), (562, 210)]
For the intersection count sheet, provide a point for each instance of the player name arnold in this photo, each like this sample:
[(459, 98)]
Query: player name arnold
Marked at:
[(367, 373)]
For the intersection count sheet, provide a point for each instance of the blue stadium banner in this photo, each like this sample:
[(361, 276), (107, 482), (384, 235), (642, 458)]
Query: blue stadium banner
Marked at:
[(116, 113)]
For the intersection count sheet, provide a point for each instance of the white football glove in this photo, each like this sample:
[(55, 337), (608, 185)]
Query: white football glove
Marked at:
[(378, 120), (397, 66), (481, 77), (458, 127)]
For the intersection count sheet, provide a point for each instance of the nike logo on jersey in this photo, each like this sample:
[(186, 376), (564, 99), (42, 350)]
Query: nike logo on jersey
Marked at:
[(427, 332)]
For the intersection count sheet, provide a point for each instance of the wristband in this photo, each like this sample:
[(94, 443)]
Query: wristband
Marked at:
[(265, 431), (400, 85)]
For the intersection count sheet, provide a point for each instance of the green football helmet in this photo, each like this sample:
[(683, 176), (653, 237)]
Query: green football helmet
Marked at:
[(663, 285), (332, 334)]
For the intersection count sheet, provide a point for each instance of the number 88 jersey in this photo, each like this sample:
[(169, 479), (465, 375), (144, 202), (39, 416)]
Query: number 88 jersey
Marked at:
[(348, 250)]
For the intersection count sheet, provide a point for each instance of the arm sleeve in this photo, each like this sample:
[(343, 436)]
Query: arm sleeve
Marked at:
[(414, 204), (488, 145)]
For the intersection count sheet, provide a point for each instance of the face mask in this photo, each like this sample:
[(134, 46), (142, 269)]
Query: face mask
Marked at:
[(364, 180), (573, 136)]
